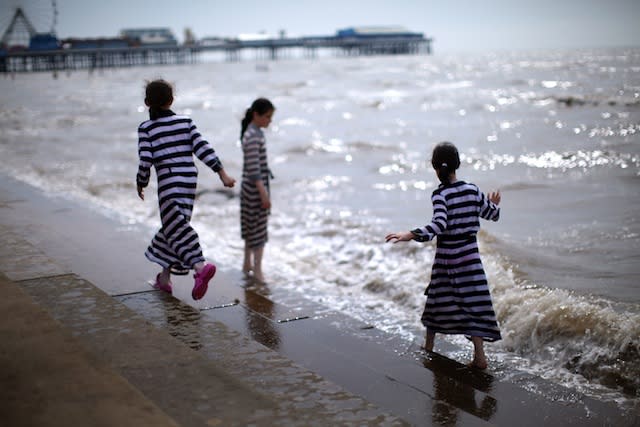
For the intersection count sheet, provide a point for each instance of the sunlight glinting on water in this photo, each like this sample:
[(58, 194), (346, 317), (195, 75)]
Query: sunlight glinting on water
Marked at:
[(580, 159)]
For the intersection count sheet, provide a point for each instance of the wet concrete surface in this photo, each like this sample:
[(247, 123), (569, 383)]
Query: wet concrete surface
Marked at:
[(48, 379), (191, 386), (290, 360), (420, 388)]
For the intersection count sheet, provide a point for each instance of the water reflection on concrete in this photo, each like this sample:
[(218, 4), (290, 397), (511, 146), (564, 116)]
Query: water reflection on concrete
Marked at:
[(457, 388), (239, 338), (261, 313), (180, 320), (185, 322), (179, 316)]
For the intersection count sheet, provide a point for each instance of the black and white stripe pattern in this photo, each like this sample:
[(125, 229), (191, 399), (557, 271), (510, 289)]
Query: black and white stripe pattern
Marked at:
[(168, 143), (458, 298), (253, 217)]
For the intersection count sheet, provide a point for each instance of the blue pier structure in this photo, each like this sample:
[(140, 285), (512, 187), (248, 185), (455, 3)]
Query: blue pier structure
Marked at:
[(158, 46)]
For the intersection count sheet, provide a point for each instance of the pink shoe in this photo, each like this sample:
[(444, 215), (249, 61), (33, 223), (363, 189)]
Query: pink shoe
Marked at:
[(163, 287), (202, 281)]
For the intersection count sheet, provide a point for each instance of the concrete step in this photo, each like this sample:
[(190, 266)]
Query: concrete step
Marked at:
[(48, 378), (190, 385)]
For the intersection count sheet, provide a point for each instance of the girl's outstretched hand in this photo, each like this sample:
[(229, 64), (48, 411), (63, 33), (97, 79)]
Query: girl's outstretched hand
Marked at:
[(227, 181), (399, 237), (494, 197)]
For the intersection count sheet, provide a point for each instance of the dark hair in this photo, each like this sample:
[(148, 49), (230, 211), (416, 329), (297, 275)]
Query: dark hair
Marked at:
[(261, 106), (157, 94), (445, 160)]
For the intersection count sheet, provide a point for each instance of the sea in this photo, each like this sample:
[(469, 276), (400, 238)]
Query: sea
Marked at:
[(556, 131)]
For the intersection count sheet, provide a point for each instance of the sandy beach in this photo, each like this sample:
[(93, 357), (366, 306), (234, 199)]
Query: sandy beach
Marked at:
[(78, 307)]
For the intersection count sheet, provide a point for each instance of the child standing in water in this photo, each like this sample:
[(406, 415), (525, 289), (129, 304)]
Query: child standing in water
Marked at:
[(255, 199), (167, 141), (458, 298)]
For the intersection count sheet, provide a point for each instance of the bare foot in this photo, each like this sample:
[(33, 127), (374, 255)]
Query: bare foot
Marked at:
[(479, 359), (424, 348), (258, 276), (478, 364)]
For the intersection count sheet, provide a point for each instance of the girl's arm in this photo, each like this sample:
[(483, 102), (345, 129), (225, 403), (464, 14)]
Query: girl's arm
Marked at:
[(489, 206), (438, 222), (399, 237), (145, 158), (264, 195), (437, 225), (203, 150)]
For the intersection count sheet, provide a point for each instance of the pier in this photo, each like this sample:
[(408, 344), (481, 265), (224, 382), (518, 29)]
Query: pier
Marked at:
[(68, 59)]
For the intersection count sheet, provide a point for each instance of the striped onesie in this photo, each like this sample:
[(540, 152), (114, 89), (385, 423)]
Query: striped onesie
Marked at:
[(253, 217), (168, 143), (458, 298)]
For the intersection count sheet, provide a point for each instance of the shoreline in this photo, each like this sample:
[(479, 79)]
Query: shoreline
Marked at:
[(239, 329)]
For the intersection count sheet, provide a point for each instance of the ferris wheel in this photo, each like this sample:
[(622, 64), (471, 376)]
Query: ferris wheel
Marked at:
[(22, 19)]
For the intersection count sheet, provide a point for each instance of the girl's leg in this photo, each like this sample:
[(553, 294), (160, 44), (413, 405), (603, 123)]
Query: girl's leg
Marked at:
[(165, 276), (257, 263), (198, 267), (176, 230), (246, 265), (479, 358), (163, 281), (429, 340)]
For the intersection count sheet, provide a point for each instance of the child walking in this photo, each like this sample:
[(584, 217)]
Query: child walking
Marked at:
[(458, 298), (255, 199), (167, 142)]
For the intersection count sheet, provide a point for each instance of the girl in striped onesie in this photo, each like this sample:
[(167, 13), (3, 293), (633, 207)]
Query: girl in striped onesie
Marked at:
[(167, 141), (255, 198), (458, 298)]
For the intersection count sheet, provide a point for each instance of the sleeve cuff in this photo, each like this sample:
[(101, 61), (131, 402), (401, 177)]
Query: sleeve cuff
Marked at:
[(417, 235)]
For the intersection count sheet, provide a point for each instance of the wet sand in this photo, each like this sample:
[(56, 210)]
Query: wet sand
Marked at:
[(246, 353)]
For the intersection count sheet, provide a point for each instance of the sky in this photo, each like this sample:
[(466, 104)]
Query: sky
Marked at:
[(454, 25)]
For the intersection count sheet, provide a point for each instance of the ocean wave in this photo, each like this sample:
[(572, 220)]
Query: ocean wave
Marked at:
[(523, 186), (405, 185), (565, 336), (320, 184), (335, 145), (582, 100), (102, 189), (580, 159), (621, 130), (294, 121), (447, 86), (570, 333)]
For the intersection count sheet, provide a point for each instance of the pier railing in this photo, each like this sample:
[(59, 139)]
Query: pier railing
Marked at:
[(76, 59)]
